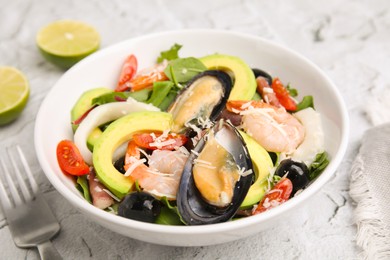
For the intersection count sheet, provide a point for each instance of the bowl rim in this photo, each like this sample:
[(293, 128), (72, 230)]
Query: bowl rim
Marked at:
[(84, 206)]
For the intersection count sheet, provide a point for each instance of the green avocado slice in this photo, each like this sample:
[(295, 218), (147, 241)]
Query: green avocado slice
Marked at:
[(116, 134), (84, 103), (244, 80), (262, 164)]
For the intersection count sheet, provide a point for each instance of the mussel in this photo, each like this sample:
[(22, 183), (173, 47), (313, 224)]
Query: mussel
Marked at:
[(202, 99), (262, 73), (216, 177)]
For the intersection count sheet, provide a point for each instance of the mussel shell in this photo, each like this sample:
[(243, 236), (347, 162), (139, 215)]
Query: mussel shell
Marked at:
[(227, 86), (262, 73), (194, 210)]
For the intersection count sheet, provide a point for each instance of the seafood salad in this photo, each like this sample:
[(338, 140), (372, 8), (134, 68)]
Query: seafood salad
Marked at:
[(192, 141)]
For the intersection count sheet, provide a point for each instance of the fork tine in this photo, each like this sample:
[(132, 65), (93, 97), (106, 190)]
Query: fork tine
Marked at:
[(11, 185), (31, 178), (5, 201), (22, 184)]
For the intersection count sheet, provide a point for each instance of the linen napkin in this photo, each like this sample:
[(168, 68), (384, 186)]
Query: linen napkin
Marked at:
[(370, 189)]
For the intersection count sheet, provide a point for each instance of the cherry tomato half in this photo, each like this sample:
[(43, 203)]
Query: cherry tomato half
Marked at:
[(148, 141), (280, 193), (70, 159), (283, 95), (128, 71)]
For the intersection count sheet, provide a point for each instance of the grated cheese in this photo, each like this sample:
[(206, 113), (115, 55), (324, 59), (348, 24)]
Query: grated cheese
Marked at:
[(143, 152), (134, 165), (246, 105), (111, 195), (159, 194), (153, 135), (195, 152), (183, 150), (206, 166), (202, 161), (160, 144), (156, 172)]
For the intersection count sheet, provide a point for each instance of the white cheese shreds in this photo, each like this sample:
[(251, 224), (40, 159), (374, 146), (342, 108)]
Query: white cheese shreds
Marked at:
[(160, 195), (224, 198), (183, 150), (156, 172), (202, 161), (143, 152), (234, 110), (266, 203), (246, 105), (268, 90), (195, 128), (195, 152), (165, 133), (246, 173), (134, 165), (205, 166), (160, 144), (205, 123), (111, 195)]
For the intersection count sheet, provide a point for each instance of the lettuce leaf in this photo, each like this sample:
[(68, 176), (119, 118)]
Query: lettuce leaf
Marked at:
[(171, 54)]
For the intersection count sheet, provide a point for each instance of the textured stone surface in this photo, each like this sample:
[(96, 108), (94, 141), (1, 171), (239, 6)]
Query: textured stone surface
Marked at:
[(349, 40)]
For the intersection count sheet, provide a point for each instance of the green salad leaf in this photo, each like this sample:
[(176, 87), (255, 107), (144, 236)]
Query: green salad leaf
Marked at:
[(160, 91), (169, 214), (140, 95), (83, 187), (292, 91), (171, 54), (318, 165), (182, 70), (306, 102), (168, 99)]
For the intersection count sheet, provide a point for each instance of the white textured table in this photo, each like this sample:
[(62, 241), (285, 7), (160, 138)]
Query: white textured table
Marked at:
[(349, 40)]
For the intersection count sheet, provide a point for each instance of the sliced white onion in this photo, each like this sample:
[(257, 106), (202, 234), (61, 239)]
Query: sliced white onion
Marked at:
[(103, 114), (314, 136)]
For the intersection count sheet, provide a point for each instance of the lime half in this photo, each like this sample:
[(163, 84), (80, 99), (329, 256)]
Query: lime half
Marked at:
[(66, 42), (14, 93)]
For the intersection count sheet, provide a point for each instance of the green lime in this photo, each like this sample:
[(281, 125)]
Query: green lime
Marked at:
[(15, 91), (66, 42)]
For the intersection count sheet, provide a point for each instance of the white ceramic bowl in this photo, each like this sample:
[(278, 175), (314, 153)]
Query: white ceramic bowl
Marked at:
[(102, 69)]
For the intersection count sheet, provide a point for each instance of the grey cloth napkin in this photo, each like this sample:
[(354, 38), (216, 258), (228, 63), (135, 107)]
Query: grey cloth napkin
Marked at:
[(370, 189)]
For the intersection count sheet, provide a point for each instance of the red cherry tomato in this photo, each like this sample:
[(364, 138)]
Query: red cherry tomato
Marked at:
[(283, 96), (128, 71), (70, 159), (280, 193), (153, 142)]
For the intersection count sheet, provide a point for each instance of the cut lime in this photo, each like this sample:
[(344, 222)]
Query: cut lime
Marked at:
[(66, 42), (14, 93)]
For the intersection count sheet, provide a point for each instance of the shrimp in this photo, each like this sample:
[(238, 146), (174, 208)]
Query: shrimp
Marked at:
[(273, 128), (162, 176)]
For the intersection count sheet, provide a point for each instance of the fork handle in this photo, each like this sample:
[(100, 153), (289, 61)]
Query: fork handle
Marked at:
[(48, 252)]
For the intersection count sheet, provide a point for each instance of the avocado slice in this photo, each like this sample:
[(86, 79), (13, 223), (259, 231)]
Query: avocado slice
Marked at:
[(118, 133), (262, 164), (93, 137), (85, 102), (244, 80)]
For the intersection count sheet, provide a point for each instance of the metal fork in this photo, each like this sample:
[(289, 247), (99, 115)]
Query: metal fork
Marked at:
[(30, 220)]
